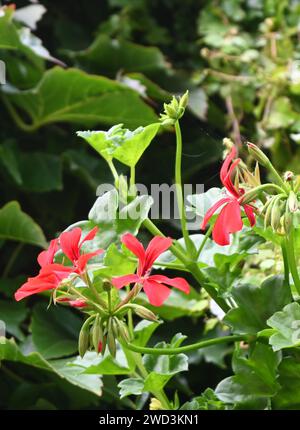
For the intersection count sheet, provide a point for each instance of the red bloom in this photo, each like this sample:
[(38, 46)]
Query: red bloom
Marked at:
[(153, 285), (230, 219), (49, 278), (76, 303), (71, 243)]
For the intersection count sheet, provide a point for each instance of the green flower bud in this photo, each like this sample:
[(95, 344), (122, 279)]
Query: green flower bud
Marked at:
[(122, 330), (276, 213), (97, 333), (183, 101), (112, 333), (292, 202), (269, 206), (258, 155), (145, 313), (287, 221), (83, 341)]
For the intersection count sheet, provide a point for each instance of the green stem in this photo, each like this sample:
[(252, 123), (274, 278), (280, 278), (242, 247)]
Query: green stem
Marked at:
[(251, 193), (129, 318), (178, 183), (132, 177), (113, 171), (18, 120), (12, 259), (187, 348), (285, 262), (91, 286), (292, 259), (205, 239), (191, 266)]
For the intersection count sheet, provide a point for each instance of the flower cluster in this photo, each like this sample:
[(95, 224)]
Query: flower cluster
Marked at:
[(230, 219), (52, 274)]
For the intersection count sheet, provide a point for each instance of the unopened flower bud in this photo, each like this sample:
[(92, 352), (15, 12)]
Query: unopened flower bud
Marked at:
[(183, 101), (276, 213), (145, 313), (258, 155), (292, 202), (122, 330), (111, 342), (288, 176), (287, 221), (97, 333), (84, 340)]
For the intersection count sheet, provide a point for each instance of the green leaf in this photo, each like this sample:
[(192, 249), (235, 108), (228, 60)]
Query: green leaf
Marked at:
[(287, 326), (104, 210), (116, 263), (255, 379), (9, 351), (94, 364), (55, 331), (288, 397), (18, 226), (131, 386), (143, 332), (122, 144), (281, 114), (13, 314), (162, 368), (108, 56), (208, 401), (256, 304), (134, 214), (40, 172), (8, 34), (9, 160), (198, 103), (74, 96)]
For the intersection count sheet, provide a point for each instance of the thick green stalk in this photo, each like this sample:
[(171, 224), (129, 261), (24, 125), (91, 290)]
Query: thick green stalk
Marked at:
[(179, 193), (187, 348), (285, 261), (292, 259)]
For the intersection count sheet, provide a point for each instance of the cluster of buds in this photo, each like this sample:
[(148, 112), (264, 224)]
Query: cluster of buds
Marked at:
[(279, 209), (105, 327), (174, 110)]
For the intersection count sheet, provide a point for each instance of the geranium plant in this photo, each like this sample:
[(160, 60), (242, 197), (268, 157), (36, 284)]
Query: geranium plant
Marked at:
[(115, 280)]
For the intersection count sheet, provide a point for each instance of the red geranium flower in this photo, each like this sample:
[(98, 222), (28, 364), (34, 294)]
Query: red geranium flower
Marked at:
[(71, 243), (51, 274), (153, 285), (49, 277), (230, 219)]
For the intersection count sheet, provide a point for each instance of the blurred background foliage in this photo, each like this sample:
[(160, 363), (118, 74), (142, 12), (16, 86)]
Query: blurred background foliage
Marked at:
[(90, 65)]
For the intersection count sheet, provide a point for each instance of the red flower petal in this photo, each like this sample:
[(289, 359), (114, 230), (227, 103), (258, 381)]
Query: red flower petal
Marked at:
[(179, 283), (157, 293), (90, 236), (136, 247), (156, 247), (83, 260), (212, 210), (36, 285), (229, 221), (226, 164), (69, 242), (46, 257), (250, 214), (121, 281)]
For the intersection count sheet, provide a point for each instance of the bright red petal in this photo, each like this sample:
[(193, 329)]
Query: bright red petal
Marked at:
[(90, 236), (83, 260), (136, 247), (156, 247), (157, 293), (36, 285), (69, 242), (46, 257), (121, 281), (226, 164), (212, 210), (61, 272), (179, 283), (227, 182), (229, 221), (250, 214)]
